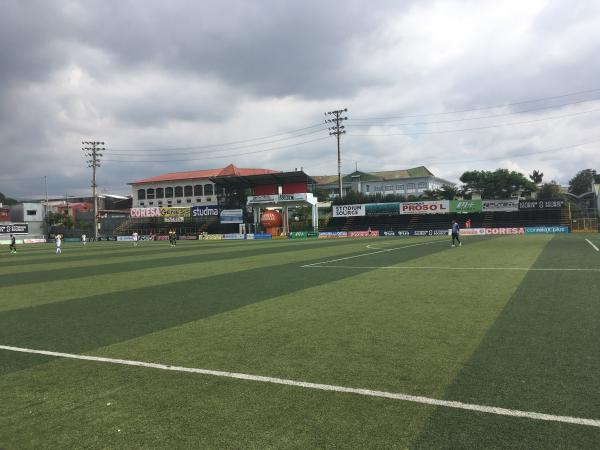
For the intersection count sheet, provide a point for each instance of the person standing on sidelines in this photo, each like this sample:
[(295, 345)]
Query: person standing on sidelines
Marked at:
[(456, 234), (13, 244), (58, 242), (84, 239), (135, 238)]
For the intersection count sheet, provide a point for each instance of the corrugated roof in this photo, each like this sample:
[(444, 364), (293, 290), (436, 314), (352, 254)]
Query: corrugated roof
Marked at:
[(420, 171), (230, 170)]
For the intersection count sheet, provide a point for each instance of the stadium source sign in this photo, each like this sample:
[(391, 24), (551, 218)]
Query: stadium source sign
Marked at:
[(500, 205), (14, 228), (542, 204), (431, 207), (348, 210)]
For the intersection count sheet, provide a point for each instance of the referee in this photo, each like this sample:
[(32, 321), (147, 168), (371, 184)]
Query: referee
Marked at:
[(456, 234)]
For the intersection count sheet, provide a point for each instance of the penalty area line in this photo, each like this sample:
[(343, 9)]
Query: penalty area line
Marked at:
[(592, 244), (322, 387), (539, 269)]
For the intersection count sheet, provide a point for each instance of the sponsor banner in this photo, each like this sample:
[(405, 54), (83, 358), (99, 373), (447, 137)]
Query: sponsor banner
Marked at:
[(541, 204), (173, 219), (332, 234), (303, 234), (516, 230), (232, 236), (162, 237), (470, 231), (124, 238), (14, 228), (431, 207), (429, 232), (211, 237), (34, 241), (205, 211), (232, 216), (390, 209), (262, 236), (262, 199), (500, 205), (72, 239), (281, 237), (348, 210), (547, 229), (465, 206), (281, 198), (175, 211), (291, 197), (188, 238), (137, 213), (396, 233), (373, 233), (17, 241)]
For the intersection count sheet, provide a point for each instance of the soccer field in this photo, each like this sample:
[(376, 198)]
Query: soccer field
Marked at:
[(353, 343)]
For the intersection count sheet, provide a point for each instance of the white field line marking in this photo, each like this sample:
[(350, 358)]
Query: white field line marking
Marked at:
[(322, 387), (539, 269), (374, 253), (592, 244)]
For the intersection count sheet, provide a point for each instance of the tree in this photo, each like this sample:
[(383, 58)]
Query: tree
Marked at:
[(447, 192), (499, 184), (582, 182), (549, 190), (7, 200), (536, 177)]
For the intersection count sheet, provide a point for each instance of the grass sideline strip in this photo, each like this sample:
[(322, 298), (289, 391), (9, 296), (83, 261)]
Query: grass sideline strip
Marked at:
[(324, 387)]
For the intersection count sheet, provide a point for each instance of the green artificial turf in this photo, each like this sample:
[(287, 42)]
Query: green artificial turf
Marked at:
[(391, 317)]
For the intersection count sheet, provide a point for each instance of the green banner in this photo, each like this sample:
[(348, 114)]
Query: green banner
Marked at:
[(465, 206), (373, 209)]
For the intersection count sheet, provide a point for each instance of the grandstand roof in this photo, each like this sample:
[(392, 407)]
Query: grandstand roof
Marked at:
[(230, 170), (246, 181), (415, 172)]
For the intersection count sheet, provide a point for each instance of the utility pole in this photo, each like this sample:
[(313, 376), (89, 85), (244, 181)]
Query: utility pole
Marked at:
[(336, 129), (92, 149), (46, 207)]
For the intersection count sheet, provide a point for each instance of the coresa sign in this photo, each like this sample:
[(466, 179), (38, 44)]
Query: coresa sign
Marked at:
[(431, 207), (137, 213), (348, 210)]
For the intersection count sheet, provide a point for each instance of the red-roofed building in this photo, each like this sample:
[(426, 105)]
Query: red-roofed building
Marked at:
[(185, 188)]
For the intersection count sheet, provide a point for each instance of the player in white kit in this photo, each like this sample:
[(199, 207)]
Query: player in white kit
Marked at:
[(58, 242)]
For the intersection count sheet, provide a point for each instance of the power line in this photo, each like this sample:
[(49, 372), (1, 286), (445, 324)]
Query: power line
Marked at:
[(215, 157), (224, 144), (541, 99), (195, 152), (92, 150), (492, 116), (481, 127)]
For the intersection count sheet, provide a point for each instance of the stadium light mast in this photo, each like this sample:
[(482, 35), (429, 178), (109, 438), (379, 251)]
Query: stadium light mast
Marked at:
[(92, 149), (336, 129)]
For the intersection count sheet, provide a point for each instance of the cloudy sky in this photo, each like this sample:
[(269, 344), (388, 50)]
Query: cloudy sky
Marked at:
[(184, 85)]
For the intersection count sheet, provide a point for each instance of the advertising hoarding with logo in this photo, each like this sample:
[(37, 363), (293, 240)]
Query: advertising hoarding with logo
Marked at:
[(547, 229), (515, 230), (14, 228), (348, 210), (175, 211), (465, 206), (429, 207), (500, 205), (437, 232), (232, 216), (205, 211), (138, 213), (541, 204), (374, 209), (372, 233), (332, 234)]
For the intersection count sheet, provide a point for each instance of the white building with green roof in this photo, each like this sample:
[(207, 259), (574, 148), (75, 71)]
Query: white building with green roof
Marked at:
[(401, 182)]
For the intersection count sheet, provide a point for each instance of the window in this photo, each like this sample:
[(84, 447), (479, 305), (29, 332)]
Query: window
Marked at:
[(198, 200), (378, 188), (178, 192), (399, 187), (151, 203), (141, 194), (189, 200), (208, 199), (169, 202), (208, 189), (169, 192), (141, 203), (150, 193), (160, 193), (179, 202), (367, 187), (389, 187), (411, 187), (31, 212), (160, 203), (422, 185), (188, 191), (198, 191)]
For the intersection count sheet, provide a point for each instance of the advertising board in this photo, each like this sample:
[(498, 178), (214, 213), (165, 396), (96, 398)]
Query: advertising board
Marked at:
[(175, 211), (233, 236), (211, 237), (372, 233), (376, 209), (500, 205), (465, 206), (515, 230), (232, 216), (547, 229), (138, 213), (348, 210), (396, 233), (428, 207), (437, 232), (470, 231), (262, 236), (332, 234), (205, 211), (541, 204), (14, 228)]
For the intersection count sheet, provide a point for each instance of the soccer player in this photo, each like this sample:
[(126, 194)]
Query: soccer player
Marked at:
[(456, 234), (135, 238), (84, 239), (58, 242), (13, 244)]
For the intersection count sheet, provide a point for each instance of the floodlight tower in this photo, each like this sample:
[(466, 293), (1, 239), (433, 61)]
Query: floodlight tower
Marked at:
[(92, 149), (336, 129)]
